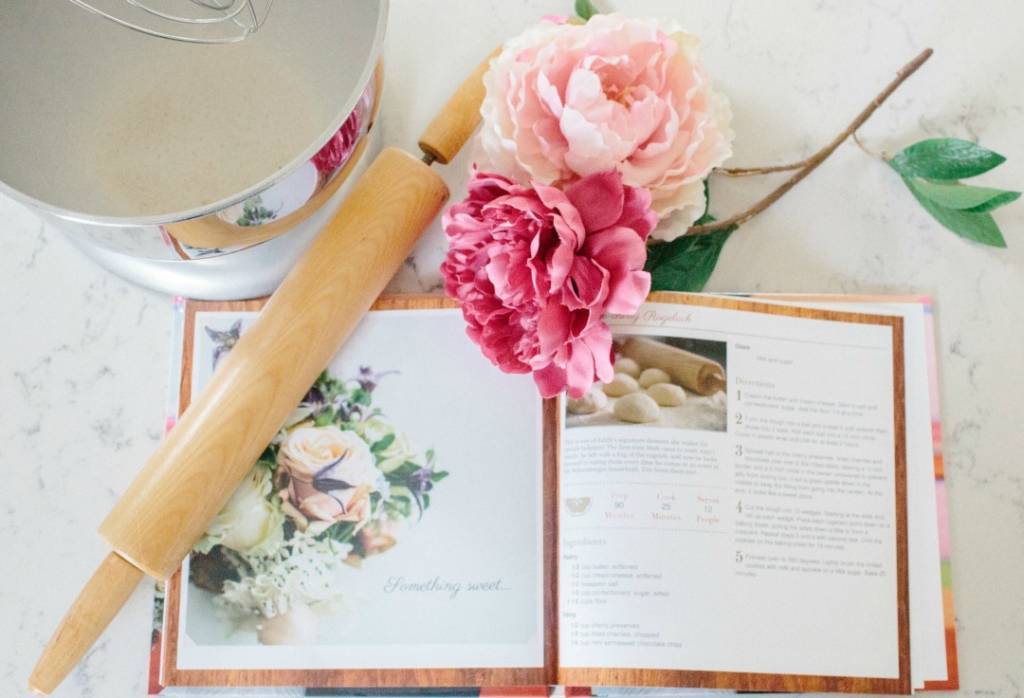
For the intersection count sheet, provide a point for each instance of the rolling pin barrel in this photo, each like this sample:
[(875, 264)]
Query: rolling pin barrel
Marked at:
[(692, 371), (198, 466), (196, 469)]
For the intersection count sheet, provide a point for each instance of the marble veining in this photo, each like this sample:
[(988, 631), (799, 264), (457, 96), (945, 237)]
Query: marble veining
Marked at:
[(84, 356)]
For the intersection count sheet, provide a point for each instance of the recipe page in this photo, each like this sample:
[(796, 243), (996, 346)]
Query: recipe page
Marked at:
[(929, 661), (729, 502)]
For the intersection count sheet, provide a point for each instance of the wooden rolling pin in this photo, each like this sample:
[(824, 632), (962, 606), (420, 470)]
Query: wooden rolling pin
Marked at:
[(201, 462), (692, 371)]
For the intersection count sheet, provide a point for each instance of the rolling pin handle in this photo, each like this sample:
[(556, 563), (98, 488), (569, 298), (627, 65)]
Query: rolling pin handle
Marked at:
[(99, 601), (455, 123)]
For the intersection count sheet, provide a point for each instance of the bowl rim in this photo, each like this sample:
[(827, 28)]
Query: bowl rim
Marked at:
[(365, 79)]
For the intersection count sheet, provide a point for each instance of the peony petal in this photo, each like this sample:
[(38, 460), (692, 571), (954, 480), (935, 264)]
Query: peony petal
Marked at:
[(553, 327), (548, 94), (637, 213), (579, 370), (616, 248), (554, 199), (588, 153), (629, 293), (598, 198), (550, 380), (599, 341), (686, 202), (587, 285)]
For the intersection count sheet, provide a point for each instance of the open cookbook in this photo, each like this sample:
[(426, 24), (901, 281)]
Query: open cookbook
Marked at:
[(754, 503)]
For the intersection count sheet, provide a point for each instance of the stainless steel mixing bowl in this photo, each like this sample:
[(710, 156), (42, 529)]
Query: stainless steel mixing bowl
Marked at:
[(199, 170)]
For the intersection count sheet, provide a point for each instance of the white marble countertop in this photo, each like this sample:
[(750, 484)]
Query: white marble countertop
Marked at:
[(83, 368)]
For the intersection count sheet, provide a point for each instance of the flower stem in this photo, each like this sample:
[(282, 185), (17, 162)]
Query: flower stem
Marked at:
[(751, 171), (805, 167), (883, 156)]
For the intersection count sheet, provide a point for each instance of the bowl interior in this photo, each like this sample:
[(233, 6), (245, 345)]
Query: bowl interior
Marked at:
[(103, 121)]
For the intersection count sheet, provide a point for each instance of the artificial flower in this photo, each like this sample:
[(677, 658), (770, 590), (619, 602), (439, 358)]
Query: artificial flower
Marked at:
[(331, 473), (250, 523), (565, 101), (536, 268)]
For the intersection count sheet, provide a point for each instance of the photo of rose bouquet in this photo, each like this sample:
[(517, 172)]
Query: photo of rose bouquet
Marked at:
[(334, 488)]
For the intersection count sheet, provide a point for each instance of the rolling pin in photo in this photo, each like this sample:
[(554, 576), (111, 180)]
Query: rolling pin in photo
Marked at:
[(692, 371), (223, 432)]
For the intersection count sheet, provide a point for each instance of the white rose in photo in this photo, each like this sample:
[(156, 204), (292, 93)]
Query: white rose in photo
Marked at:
[(331, 473), (250, 523)]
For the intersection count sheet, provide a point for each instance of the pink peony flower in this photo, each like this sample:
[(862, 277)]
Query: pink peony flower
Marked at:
[(565, 101), (536, 268)]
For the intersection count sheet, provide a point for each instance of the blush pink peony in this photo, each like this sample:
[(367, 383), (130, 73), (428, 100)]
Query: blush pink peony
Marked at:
[(565, 101), (537, 267)]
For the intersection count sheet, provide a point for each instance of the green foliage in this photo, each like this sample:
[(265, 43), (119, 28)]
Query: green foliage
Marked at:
[(962, 197), (341, 532), (378, 446), (980, 227), (686, 263), (398, 507), (945, 159), (403, 472), (931, 168), (585, 9)]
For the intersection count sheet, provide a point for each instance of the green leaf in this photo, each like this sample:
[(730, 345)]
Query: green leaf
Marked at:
[(585, 9), (1007, 197), (686, 263), (402, 472), (324, 417), (382, 444), (962, 197), (341, 532), (398, 507), (980, 227), (944, 158), (438, 475)]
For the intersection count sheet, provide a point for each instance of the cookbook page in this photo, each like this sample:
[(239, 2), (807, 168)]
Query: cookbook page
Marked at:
[(371, 545), (733, 505), (933, 661)]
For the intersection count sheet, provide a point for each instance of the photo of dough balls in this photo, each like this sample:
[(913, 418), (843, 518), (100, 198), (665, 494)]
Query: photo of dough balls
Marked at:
[(671, 382)]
